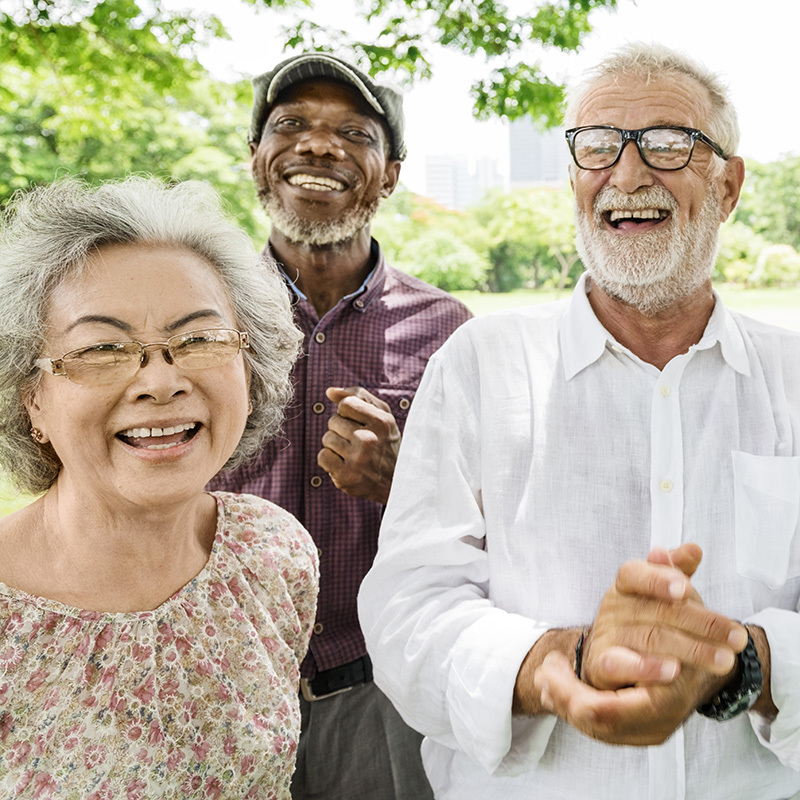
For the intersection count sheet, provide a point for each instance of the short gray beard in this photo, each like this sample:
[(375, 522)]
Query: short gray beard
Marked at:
[(317, 233), (654, 270)]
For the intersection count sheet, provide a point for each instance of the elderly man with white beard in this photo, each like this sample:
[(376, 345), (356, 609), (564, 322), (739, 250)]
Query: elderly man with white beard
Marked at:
[(588, 575)]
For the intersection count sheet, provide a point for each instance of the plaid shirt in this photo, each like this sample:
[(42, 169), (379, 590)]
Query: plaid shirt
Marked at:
[(381, 338)]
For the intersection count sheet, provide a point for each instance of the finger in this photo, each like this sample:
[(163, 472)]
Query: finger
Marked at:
[(655, 580), (331, 462), (344, 428), (619, 666), (337, 394), (331, 440), (687, 558), (598, 714)]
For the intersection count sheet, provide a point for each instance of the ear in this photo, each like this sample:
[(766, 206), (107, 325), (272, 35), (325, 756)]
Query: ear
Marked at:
[(731, 185), (391, 176), (33, 406)]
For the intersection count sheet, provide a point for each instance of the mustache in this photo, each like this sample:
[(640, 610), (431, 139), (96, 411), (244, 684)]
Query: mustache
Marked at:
[(610, 198)]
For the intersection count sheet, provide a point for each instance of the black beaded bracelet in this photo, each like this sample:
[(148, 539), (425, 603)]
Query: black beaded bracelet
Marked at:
[(579, 651)]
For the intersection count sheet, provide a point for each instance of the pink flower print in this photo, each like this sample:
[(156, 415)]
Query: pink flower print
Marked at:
[(235, 586), (23, 782), (108, 676), (213, 789), (175, 759), (192, 784), (141, 652), (117, 703), (223, 663), (146, 691), (223, 693), (37, 679), (18, 753), (70, 625), (165, 634), (13, 625), (103, 638), (252, 793), (44, 785), (205, 668), (188, 607), (135, 790), (183, 645), (248, 764), (248, 537), (85, 647), (51, 701), (105, 792), (89, 701), (168, 689), (229, 746), (94, 755), (210, 630), (155, 735), (135, 732), (11, 657), (144, 757), (200, 749), (218, 590)]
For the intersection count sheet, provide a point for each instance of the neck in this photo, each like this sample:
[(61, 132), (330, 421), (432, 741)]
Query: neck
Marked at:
[(82, 554), (325, 274), (656, 338)]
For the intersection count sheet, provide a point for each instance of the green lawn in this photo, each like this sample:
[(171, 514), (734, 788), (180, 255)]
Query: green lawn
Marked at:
[(778, 306)]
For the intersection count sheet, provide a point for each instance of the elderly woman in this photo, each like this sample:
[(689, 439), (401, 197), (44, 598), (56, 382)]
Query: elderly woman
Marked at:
[(150, 633)]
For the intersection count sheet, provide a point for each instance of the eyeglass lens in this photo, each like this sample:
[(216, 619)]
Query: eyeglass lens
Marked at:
[(111, 361), (661, 148)]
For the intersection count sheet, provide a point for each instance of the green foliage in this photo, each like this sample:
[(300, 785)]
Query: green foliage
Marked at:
[(777, 265), (442, 259), (739, 250), (404, 32), (770, 201), (103, 89)]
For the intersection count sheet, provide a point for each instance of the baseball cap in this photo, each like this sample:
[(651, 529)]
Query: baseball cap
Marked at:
[(384, 99)]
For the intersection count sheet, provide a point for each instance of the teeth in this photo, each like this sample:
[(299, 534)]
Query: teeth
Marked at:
[(145, 433), (637, 213), (316, 183)]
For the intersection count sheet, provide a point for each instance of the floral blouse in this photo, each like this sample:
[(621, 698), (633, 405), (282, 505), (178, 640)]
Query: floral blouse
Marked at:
[(196, 699)]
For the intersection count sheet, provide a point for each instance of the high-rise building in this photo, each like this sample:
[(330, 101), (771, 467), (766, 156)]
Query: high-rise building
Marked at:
[(454, 183), (536, 157)]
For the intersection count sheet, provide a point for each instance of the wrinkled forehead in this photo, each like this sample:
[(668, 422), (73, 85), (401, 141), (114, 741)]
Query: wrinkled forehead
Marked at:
[(634, 101)]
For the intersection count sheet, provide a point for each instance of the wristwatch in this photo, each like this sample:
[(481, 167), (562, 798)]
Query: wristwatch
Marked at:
[(742, 692)]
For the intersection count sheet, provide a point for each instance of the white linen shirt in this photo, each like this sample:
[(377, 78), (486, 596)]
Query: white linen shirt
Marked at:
[(539, 455)]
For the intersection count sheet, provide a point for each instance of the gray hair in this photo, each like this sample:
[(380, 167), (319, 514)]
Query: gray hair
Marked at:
[(653, 61), (50, 233)]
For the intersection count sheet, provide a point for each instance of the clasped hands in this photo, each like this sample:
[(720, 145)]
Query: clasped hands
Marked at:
[(359, 449), (652, 655)]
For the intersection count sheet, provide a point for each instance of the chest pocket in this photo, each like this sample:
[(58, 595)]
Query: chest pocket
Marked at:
[(398, 398), (767, 508)]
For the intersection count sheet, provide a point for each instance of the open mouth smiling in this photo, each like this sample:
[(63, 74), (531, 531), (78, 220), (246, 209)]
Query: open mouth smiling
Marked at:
[(316, 183), (160, 438), (639, 219)]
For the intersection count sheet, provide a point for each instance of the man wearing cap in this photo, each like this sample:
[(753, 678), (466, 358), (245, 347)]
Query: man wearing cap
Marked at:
[(327, 143)]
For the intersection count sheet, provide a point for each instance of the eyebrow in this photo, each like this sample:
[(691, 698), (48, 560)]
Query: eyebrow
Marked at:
[(89, 319)]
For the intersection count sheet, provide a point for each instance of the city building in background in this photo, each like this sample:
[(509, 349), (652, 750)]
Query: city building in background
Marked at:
[(454, 182), (536, 157)]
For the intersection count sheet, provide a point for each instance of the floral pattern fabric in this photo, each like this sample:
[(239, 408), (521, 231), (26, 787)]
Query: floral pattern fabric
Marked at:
[(196, 699)]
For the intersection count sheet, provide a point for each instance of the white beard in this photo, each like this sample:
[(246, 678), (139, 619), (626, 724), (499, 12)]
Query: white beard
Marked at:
[(650, 271), (318, 233)]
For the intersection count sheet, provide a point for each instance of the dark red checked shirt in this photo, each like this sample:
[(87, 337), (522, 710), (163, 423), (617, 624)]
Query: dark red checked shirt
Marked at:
[(381, 338)]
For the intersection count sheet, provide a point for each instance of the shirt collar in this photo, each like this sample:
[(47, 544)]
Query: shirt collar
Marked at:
[(370, 287), (583, 337)]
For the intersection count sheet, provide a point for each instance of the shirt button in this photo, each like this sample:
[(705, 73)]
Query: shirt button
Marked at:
[(616, 348), (318, 408), (319, 338), (319, 552), (665, 391), (318, 628), (665, 486), (358, 303), (316, 481), (404, 403)]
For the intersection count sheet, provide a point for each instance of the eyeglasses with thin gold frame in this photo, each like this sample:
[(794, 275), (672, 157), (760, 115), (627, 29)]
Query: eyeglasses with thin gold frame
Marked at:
[(108, 362)]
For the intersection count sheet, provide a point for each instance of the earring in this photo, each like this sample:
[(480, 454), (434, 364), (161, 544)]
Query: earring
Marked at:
[(37, 435)]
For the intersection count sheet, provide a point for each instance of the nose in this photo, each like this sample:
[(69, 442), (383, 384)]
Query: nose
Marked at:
[(630, 172), (158, 379), (321, 142)]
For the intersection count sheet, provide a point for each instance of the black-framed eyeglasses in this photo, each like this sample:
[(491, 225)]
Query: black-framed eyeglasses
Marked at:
[(108, 362), (667, 147)]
